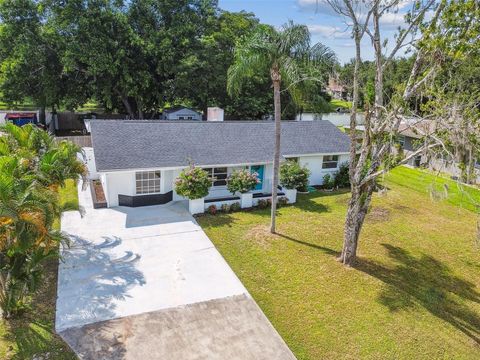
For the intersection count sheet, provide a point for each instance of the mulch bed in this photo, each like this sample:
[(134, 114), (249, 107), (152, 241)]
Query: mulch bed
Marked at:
[(100, 195)]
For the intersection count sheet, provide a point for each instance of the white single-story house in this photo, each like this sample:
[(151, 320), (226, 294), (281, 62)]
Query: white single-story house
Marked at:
[(180, 113), (138, 161)]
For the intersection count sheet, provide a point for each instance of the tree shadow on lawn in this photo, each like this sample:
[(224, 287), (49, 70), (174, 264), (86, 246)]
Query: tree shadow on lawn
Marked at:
[(427, 282), (315, 246)]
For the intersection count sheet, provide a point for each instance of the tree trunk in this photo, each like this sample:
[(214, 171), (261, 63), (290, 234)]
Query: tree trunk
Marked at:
[(126, 103), (140, 109), (352, 227), (357, 211), (276, 78), (42, 116)]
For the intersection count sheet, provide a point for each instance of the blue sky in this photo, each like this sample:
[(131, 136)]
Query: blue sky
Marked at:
[(325, 26)]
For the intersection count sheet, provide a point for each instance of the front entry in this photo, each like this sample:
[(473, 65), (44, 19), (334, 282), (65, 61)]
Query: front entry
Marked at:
[(259, 170)]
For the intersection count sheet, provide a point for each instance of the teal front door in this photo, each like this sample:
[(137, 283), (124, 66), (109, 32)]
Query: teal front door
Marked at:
[(259, 170)]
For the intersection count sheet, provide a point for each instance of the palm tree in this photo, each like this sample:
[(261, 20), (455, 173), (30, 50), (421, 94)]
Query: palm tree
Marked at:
[(27, 213), (53, 162), (32, 167), (289, 57)]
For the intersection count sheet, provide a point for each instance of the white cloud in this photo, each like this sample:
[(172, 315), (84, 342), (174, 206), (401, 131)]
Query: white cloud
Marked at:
[(329, 32), (392, 20), (318, 6)]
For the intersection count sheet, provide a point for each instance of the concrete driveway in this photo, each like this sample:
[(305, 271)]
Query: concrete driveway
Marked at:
[(148, 283)]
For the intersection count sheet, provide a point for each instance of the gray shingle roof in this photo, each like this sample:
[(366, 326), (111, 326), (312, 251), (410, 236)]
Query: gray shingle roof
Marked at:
[(138, 144)]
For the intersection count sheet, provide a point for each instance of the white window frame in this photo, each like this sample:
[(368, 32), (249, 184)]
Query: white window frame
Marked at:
[(330, 159), (212, 175), (148, 182)]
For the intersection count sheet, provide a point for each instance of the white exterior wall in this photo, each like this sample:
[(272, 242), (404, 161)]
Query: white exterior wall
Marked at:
[(123, 182), (118, 183), (314, 164), (90, 162)]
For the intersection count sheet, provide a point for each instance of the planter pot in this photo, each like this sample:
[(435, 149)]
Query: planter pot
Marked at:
[(246, 200), (291, 195), (196, 206)]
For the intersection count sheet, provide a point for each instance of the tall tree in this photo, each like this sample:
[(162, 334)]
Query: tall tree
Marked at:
[(289, 58), (375, 155), (31, 66)]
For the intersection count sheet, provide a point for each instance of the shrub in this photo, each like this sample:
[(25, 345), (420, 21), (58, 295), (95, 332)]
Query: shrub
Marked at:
[(33, 167), (294, 176), (235, 206), (212, 210), (193, 183), (342, 177), (328, 181), (262, 204), (242, 181), (282, 201), (225, 208)]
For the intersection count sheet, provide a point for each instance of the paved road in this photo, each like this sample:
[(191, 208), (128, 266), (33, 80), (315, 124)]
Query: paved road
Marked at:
[(148, 283)]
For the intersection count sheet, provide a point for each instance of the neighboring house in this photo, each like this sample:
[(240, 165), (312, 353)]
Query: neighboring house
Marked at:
[(138, 161), (336, 90), (409, 139), (180, 113)]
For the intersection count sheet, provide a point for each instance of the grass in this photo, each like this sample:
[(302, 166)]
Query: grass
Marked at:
[(414, 293), (336, 103), (33, 332)]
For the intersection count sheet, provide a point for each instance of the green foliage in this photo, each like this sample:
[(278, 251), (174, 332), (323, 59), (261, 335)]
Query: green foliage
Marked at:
[(235, 207), (132, 57), (282, 201), (303, 67), (193, 183), (328, 181), (262, 204), (242, 181), (341, 178), (225, 208), (395, 75), (32, 167), (294, 176)]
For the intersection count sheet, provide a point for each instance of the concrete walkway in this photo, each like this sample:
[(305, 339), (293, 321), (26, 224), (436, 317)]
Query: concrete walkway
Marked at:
[(148, 283)]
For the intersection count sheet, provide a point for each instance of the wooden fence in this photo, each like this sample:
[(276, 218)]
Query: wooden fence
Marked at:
[(82, 141)]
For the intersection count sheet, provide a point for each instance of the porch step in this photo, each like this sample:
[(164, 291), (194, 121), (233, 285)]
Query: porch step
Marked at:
[(231, 198)]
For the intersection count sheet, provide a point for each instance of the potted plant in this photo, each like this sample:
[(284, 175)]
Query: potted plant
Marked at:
[(243, 181), (193, 183), (293, 178)]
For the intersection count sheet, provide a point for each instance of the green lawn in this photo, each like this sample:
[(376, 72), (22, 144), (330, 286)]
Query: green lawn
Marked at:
[(33, 333), (415, 293), (336, 103)]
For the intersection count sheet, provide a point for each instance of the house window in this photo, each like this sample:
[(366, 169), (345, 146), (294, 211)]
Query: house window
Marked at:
[(330, 162), (185, 118), (401, 141), (147, 182), (218, 176)]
